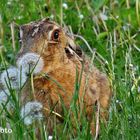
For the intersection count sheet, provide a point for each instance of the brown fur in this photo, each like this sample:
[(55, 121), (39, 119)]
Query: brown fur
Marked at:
[(60, 66)]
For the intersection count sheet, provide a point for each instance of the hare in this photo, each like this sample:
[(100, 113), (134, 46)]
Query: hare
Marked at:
[(64, 62)]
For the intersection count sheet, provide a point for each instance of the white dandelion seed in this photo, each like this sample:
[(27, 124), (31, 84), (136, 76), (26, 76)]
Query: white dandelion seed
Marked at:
[(50, 137), (81, 16), (65, 6), (12, 77), (31, 111), (103, 16), (30, 62)]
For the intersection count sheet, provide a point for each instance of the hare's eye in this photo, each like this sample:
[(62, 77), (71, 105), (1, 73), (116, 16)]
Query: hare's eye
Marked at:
[(55, 35)]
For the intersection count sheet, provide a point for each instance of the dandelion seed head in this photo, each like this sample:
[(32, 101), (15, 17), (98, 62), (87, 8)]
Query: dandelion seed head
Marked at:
[(31, 111), (28, 120), (65, 6), (30, 62), (50, 137), (103, 16), (9, 3), (81, 16), (12, 77), (4, 95)]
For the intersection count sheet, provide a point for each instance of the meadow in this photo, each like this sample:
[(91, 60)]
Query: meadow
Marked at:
[(112, 29)]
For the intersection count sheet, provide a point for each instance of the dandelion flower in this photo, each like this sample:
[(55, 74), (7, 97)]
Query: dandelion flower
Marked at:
[(30, 62), (12, 77), (31, 111)]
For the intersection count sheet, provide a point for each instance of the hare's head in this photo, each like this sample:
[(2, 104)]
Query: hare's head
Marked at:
[(47, 39)]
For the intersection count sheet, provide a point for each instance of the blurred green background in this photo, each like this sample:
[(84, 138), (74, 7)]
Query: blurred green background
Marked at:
[(112, 27)]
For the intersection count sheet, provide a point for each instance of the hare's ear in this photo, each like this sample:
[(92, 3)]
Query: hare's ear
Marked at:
[(24, 30), (47, 19), (20, 32)]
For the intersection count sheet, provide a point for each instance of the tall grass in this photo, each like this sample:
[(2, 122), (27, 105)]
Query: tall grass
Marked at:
[(110, 27)]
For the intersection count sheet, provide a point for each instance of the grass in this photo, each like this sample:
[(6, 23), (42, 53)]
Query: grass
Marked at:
[(110, 27)]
